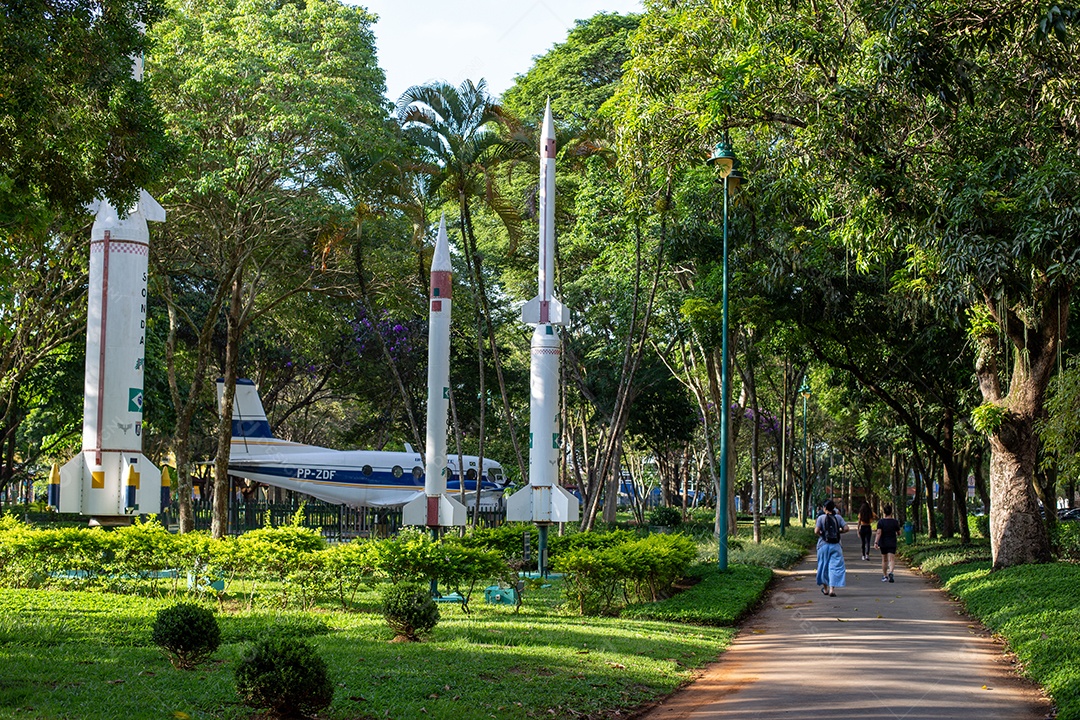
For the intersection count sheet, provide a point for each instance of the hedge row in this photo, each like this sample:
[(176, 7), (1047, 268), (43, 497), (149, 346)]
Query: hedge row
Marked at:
[(145, 556)]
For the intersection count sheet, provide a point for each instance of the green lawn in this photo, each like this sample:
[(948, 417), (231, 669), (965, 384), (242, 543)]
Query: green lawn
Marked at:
[(87, 655), (1033, 607)]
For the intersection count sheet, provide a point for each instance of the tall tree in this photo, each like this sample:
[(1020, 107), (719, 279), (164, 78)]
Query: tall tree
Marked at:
[(873, 127), (259, 94)]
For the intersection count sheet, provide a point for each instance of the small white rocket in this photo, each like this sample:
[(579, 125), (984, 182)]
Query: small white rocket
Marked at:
[(544, 500), (111, 477), (435, 508)]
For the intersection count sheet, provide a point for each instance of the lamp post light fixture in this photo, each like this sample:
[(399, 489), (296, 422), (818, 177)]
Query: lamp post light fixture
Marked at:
[(724, 160), (804, 390)]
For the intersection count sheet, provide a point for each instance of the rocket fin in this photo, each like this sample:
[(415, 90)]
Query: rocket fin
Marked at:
[(150, 208), (71, 484), (451, 512), (148, 494), (530, 311), (519, 505), (557, 313), (564, 505)]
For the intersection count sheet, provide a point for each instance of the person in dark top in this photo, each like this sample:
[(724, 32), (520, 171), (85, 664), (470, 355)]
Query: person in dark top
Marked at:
[(866, 529), (887, 531)]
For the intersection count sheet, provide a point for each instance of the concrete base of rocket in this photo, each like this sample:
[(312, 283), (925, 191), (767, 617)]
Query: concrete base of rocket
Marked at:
[(542, 503), (112, 484), (434, 511)]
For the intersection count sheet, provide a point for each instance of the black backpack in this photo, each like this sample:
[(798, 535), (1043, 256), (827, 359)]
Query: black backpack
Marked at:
[(830, 529)]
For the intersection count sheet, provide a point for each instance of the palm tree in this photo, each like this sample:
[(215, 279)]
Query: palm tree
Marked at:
[(457, 128)]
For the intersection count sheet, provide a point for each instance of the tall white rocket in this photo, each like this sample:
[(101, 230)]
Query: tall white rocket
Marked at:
[(435, 508), (544, 500), (111, 477)]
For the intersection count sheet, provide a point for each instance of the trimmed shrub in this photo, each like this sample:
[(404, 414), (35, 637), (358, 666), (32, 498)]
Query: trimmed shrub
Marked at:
[(187, 633), (409, 610), (285, 675), (664, 516), (598, 580)]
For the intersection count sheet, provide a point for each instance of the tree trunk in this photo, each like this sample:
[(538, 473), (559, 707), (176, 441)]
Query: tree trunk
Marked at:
[(220, 524), (1017, 533), (511, 429), (185, 408), (948, 476), (750, 385)]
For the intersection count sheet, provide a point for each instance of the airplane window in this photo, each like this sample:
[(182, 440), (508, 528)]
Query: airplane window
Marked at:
[(366, 470), (417, 472), (470, 474), (397, 471)]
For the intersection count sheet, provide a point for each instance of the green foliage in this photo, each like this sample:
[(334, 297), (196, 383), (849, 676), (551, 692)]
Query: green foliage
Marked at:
[(506, 539), (74, 124), (979, 526), (715, 598), (409, 610), (1065, 540), (665, 516), (1059, 431), (981, 324), (599, 580), (987, 418), (772, 552), (187, 633), (933, 555), (588, 541), (349, 566), (579, 75), (286, 676)]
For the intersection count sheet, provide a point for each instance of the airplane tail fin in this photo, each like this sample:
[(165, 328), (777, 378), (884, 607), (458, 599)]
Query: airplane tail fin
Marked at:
[(248, 417)]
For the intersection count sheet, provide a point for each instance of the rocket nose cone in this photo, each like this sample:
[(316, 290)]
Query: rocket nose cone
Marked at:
[(440, 260), (547, 135)]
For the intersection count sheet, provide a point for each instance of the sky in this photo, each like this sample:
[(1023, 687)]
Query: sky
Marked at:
[(453, 40)]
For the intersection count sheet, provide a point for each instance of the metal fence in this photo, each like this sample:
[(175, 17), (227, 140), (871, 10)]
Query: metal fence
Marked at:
[(334, 522)]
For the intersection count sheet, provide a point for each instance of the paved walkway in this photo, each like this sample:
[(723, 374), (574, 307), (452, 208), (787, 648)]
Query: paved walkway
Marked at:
[(876, 651)]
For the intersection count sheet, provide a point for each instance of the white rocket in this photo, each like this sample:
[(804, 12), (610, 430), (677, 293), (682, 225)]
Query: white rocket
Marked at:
[(435, 508), (111, 477), (544, 500)]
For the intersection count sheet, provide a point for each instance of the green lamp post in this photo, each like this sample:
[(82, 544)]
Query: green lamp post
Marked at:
[(723, 159)]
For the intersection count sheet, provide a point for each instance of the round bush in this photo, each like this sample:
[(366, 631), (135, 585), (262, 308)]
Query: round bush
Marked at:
[(665, 516), (409, 610), (187, 633), (285, 675)]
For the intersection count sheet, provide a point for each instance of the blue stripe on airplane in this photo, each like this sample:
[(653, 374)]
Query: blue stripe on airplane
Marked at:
[(351, 477), (251, 429), (336, 476)]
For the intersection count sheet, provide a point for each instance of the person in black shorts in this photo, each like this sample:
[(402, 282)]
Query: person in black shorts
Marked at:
[(887, 531)]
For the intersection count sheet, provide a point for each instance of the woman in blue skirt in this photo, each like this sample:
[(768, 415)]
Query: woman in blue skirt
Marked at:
[(830, 557)]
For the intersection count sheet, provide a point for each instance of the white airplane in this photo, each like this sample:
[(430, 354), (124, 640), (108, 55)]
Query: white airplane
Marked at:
[(359, 478)]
